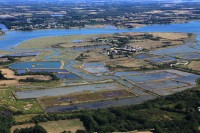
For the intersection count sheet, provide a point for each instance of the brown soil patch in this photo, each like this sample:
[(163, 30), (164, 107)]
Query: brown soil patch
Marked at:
[(195, 65), (84, 97), (8, 73)]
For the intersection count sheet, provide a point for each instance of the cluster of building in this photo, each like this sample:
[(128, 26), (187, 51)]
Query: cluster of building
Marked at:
[(125, 49)]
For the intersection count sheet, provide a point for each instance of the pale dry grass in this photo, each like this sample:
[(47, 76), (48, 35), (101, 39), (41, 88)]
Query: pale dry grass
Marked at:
[(63, 41), (128, 63), (195, 65), (171, 36), (56, 126)]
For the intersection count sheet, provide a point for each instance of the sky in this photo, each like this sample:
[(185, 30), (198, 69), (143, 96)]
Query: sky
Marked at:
[(103, 0)]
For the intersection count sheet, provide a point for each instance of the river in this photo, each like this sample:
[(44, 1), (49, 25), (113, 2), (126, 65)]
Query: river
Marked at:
[(13, 38)]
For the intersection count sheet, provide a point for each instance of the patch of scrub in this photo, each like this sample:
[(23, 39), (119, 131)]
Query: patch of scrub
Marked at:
[(67, 90)]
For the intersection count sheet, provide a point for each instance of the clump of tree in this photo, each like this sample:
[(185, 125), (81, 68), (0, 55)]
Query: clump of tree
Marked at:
[(198, 81), (36, 129), (53, 76), (2, 77), (32, 80), (6, 119), (174, 113), (10, 60)]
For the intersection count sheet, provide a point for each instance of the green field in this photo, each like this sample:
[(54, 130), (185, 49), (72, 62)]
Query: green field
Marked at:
[(25, 106)]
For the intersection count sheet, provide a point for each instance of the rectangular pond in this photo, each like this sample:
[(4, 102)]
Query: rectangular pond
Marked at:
[(48, 70), (142, 56), (69, 76), (95, 67), (126, 73), (101, 104), (191, 79), (150, 76), (46, 64), (162, 59), (94, 64), (153, 86), (67, 90), (21, 71)]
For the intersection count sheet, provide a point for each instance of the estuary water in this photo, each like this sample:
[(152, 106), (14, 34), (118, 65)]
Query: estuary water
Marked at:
[(13, 38)]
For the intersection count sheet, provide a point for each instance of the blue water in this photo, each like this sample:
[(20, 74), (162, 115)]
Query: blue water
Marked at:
[(48, 70), (3, 27), (25, 65), (13, 38), (176, 50), (68, 76), (94, 64), (150, 77), (162, 60)]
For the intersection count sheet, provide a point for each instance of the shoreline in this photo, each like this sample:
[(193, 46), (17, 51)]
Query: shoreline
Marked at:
[(106, 26), (131, 30)]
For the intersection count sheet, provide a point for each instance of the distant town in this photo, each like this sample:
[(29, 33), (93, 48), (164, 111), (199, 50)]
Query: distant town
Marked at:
[(62, 15)]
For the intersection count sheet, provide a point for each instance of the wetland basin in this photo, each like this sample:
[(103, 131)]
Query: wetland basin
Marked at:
[(95, 67), (101, 104), (67, 90), (150, 77)]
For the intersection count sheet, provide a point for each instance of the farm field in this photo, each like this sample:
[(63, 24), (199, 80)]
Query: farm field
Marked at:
[(56, 126)]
